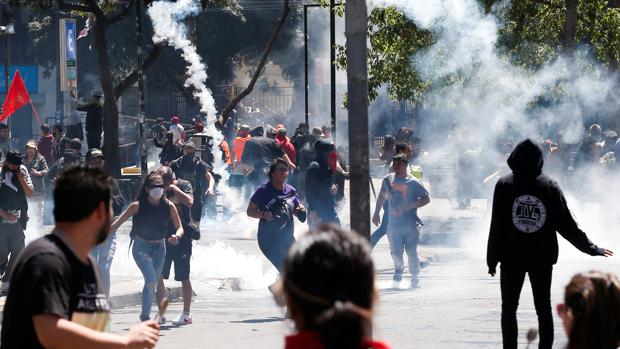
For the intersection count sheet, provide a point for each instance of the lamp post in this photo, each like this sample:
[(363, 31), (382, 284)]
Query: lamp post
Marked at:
[(7, 29)]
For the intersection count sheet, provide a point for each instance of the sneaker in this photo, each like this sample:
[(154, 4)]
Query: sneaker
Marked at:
[(398, 277), (162, 320), (183, 319)]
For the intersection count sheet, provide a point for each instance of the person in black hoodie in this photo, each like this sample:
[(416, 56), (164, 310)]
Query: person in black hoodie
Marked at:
[(528, 209), (321, 188)]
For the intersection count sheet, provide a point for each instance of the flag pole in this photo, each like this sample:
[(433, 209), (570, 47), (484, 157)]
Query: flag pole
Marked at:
[(36, 115)]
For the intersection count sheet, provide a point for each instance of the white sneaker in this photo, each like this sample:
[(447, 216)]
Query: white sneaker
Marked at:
[(183, 319), (162, 320)]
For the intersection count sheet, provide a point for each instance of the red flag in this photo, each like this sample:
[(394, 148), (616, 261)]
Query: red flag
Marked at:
[(16, 98)]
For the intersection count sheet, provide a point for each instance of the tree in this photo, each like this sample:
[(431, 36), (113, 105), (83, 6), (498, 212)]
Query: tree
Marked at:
[(106, 15)]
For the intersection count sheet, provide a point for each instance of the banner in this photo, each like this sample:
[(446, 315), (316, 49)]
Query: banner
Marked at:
[(68, 54)]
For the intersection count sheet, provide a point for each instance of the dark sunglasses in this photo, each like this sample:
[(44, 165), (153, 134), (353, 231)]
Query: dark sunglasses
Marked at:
[(281, 169), (156, 186)]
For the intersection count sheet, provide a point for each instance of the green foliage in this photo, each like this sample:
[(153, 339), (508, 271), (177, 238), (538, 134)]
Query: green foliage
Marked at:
[(530, 37)]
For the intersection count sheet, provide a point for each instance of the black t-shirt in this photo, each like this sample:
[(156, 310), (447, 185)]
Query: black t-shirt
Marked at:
[(184, 215), (49, 279), (193, 170), (261, 151)]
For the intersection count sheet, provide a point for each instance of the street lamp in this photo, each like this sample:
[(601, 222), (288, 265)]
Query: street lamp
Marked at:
[(7, 29)]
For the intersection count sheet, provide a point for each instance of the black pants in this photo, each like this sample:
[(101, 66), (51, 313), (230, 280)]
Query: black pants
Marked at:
[(512, 279), (93, 138)]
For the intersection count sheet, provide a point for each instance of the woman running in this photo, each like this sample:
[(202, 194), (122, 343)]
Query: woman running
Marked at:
[(151, 214)]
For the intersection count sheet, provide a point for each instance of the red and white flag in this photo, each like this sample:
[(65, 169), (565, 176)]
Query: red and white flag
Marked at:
[(86, 30)]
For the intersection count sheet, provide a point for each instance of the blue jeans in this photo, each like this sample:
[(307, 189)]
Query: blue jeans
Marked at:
[(149, 257), (103, 255), (275, 246), (404, 238), (381, 231)]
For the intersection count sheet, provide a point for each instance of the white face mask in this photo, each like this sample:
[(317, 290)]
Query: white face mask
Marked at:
[(156, 193)]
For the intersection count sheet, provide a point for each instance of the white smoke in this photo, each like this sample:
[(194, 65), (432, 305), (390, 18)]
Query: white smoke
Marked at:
[(168, 26), (490, 93)]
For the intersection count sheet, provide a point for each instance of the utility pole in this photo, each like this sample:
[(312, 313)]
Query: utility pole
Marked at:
[(332, 65), (141, 117), (356, 26)]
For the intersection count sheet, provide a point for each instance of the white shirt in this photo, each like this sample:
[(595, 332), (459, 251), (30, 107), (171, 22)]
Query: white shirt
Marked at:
[(178, 133)]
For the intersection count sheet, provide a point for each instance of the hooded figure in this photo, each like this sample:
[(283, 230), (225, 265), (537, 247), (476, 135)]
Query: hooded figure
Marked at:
[(321, 188), (528, 209)]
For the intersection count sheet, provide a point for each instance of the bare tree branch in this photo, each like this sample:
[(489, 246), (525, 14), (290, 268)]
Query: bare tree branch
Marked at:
[(274, 35), (132, 78), (122, 14)]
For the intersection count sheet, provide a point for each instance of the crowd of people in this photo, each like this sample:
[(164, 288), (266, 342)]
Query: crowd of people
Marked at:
[(327, 277)]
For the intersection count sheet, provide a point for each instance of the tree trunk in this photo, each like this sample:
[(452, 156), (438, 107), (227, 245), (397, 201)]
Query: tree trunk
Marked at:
[(570, 26), (356, 17), (111, 149)]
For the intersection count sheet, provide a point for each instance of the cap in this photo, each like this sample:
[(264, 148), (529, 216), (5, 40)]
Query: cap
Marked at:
[(244, 127), (159, 119), (94, 153), (189, 144), (175, 118), (13, 157), (31, 144), (281, 131), (400, 157)]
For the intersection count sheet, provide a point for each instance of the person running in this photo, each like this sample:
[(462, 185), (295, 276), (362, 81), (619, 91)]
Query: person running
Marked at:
[(37, 168), (328, 286), (275, 203), (406, 194), (591, 311), (57, 299), (151, 214), (321, 188), (528, 209), (15, 187), (180, 193)]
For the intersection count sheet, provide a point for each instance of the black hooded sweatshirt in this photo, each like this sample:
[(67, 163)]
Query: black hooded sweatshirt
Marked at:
[(528, 209), (320, 178)]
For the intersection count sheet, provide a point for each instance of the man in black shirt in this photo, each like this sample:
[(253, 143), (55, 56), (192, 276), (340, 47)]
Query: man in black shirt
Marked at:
[(191, 168), (94, 121), (57, 298), (180, 193), (528, 209), (321, 188), (258, 153)]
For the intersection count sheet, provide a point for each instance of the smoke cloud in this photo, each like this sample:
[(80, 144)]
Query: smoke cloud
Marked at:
[(168, 26)]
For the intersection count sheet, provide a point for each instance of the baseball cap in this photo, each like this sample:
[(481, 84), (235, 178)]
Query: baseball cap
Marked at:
[(189, 144), (94, 153), (31, 144)]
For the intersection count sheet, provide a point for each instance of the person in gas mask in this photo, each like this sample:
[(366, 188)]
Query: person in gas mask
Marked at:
[(321, 188), (15, 187), (151, 212), (191, 168)]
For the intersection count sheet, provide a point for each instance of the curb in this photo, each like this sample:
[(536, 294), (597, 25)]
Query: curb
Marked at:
[(123, 300)]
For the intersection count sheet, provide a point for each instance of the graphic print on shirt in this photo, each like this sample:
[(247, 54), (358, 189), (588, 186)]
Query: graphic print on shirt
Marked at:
[(92, 308), (281, 207), (528, 213), (398, 195)]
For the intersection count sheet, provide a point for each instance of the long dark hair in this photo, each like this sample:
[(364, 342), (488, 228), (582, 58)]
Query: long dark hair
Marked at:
[(329, 277), (594, 301), (143, 194)]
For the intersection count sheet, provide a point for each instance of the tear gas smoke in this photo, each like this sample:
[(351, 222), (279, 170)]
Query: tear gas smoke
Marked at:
[(492, 101), (168, 26)]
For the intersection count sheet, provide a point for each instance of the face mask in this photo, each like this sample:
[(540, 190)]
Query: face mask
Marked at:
[(156, 193)]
